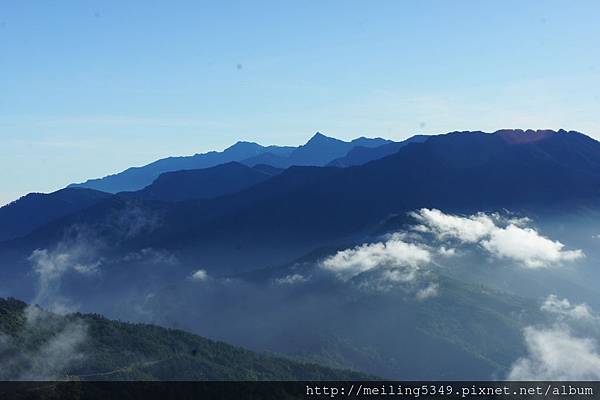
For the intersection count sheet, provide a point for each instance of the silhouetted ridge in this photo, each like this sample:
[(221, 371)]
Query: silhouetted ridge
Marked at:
[(202, 183), (306, 207), (319, 151), (36, 209), (361, 154)]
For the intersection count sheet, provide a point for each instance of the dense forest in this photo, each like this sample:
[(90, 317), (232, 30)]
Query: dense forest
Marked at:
[(35, 344)]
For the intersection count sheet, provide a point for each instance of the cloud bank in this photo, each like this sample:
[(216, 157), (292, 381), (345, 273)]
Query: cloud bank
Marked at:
[(392, 253), (501, 237), (564, 308), (558, 352)]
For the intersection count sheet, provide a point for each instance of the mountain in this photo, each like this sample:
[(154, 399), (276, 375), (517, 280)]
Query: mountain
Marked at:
[(38, 345), (137, 178), (362, 154), (318, 151), (204, 183), (36, 209), (308, 207), (468, 330), (185, 264), (302, 208)]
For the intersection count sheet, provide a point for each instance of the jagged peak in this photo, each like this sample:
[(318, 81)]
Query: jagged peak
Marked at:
[(320, 138)]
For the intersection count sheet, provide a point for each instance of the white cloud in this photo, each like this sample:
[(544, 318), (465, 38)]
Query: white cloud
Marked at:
[(397, 275), (55, 355), (391, 253), (525, 245), (44, 348), (447, 251), (291, 279), (199, 276), (502, 238), (466, 229), (51, 266), (556, 354), (134, 220), (428, 292), (564, 308)]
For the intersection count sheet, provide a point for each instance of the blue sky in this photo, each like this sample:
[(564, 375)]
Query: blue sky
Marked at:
[(89, 88)]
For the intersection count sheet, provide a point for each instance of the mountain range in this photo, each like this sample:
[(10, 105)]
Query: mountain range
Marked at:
[(271, 221), (201, 176), (235, 250), (318, 151)]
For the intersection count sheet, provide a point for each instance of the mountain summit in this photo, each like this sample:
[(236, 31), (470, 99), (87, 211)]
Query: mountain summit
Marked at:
[(318, 151)]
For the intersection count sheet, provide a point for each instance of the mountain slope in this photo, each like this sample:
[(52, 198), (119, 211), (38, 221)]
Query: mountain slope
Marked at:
[(137, 178), (463, 172), (36, 209), (308, 207), (35, 344), (362, 155), (318, 151), (204, 183), (367, 323)]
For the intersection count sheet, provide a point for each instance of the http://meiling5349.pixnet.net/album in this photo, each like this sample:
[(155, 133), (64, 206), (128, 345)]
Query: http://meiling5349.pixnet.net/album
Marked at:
[(267, 199)]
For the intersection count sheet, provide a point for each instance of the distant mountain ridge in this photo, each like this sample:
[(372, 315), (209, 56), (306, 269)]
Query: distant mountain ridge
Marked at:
[(461, 172), (36, 209), (303, 207), (318, 151), (362, 154), (137, 178), (167, 255), (204, 183), (201, 176)]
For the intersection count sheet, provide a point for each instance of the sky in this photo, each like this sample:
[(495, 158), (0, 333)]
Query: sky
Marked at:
[(89, 88)]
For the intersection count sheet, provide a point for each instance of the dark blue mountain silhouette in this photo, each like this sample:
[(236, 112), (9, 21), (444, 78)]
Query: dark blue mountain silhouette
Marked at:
[(137, 178), (318, 151), (205, 183), (308, 207), (464, 171), (36, 209), (303, 209), (363, 154)]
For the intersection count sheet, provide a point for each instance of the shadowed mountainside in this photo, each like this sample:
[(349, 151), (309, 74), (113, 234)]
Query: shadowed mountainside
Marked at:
[(36, 209), (204, 183), (137, 178), (308, 207), (362, 155)]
